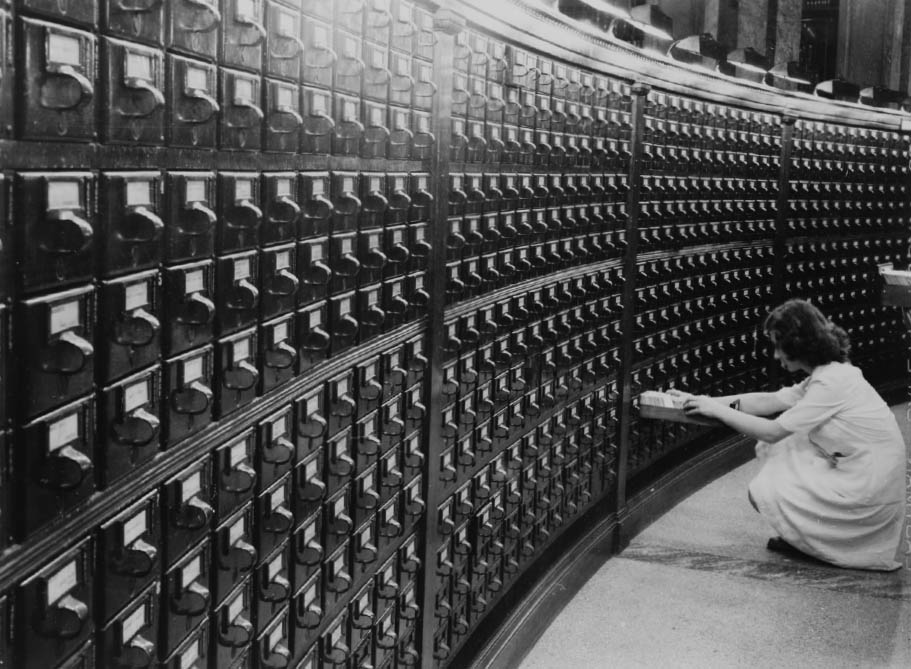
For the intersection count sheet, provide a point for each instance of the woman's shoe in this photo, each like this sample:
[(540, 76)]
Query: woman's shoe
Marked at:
[(779, 545)]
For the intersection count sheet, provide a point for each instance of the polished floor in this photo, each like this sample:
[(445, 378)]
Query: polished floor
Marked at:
[(698, 588)]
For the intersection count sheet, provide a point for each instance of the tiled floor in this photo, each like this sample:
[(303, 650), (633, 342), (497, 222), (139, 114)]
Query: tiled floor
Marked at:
[(699, 589)]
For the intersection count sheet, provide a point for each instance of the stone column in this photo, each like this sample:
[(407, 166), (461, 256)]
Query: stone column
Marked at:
[(736, 23), (871, 42), (787, 31), (772, 27), (687, 16), (752, 24)]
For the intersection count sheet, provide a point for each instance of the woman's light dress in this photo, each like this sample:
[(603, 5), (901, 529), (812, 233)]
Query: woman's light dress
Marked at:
[(835, 488)]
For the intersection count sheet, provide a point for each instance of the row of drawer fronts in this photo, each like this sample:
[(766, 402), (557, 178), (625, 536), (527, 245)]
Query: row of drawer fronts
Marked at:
[(69, 224), (61, 331), (60, 72), (140, 223), (251, 27), (192, 562), (374, 404), (59, 595), (132, 322)]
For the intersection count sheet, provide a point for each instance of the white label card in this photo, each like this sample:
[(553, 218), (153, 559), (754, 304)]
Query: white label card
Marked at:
[(241, 269), (238, 453), (320, 37), (64, 317), (197, 78), (285, 97), (363, 604), (189, 656), (62, 432), (62, 582), (138, 66), (280, 333), (276, 636), (310, 595), (196, 190), (243, 189), (243, 90), (64, 49), (279, 427), (246, 9), (315, 319), (276, 566), (319, 103), (64, 195), (285, 23), (278, 498), (138, 192), (190, 486), (137, 295), (134, 528), (191, 572), (341, 386), (282, 260), (133, 623), (135, 395), (241, 350), (192, 369), (309, 532), (236, 607)]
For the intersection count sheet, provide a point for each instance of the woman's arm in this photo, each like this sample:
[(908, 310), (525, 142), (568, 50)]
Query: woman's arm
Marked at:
[(752, 426), (756, 404)]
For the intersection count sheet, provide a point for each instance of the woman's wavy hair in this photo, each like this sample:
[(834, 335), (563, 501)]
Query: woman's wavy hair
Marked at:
[(803, 333)]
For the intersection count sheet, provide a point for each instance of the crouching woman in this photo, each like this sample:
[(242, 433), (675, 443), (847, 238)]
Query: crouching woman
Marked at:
[(831, 480)]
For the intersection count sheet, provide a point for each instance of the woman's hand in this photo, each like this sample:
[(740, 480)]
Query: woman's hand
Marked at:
[(681, 395), (702, 405)]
